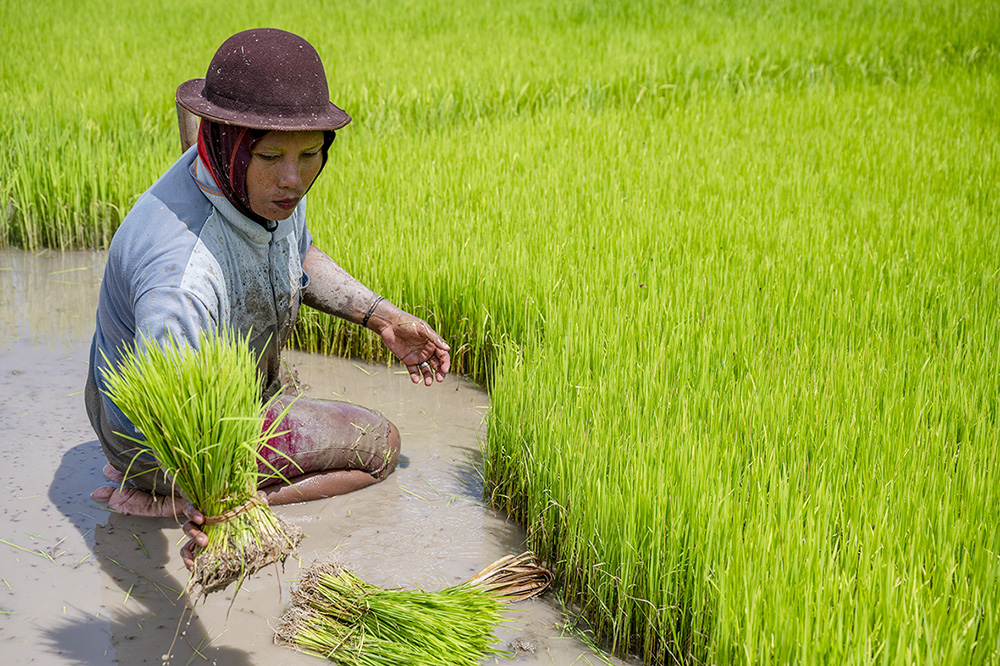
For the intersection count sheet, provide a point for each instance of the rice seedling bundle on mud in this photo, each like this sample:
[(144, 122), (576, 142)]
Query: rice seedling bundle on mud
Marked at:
[(336, 615), (201, 416)]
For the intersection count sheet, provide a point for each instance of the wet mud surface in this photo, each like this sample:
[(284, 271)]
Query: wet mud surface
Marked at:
[(80, 584)]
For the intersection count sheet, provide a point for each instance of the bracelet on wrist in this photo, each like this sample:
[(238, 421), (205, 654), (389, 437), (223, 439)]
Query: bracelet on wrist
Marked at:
[(371, 310)]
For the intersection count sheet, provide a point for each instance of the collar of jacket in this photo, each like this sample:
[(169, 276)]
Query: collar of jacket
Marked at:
[(240, 222)]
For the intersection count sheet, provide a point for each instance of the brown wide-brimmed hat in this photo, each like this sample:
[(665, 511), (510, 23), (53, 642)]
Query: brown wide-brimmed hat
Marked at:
[(264, 79)]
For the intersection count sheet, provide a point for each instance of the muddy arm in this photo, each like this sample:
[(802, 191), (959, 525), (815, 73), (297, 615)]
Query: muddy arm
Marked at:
[(334, 291)]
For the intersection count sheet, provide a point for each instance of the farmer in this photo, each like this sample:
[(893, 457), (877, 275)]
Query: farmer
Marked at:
[(220, 241)]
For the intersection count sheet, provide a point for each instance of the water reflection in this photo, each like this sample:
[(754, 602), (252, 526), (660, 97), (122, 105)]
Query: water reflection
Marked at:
[(48, 297)]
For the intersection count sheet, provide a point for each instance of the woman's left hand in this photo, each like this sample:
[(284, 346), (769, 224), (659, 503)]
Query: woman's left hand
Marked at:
[(418, 346)]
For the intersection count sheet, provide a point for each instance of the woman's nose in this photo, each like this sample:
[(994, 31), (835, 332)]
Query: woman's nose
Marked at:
[(289, 176)]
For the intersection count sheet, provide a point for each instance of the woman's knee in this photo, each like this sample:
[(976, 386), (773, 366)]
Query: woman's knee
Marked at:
[(320, 435)]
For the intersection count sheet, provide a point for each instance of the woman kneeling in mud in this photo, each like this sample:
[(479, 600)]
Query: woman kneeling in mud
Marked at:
[(220, 242)]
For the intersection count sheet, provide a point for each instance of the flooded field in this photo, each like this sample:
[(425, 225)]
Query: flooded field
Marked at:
[(83, 585)]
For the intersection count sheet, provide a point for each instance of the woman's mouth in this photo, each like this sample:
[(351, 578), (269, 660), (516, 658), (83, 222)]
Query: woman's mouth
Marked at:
[(286, 204)]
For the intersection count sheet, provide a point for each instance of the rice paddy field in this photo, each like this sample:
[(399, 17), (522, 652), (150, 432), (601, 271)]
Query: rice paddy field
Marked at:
[(730, 271)]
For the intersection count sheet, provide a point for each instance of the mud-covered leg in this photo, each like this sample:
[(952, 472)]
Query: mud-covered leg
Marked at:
[(327, 449)]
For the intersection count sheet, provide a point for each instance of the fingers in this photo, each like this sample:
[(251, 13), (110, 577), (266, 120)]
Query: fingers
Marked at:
[(427, 372), (187, 554), (421, 372), (197, 538), (443, 363), (197, 541), (435, 366), (194, 533), (194, 514)]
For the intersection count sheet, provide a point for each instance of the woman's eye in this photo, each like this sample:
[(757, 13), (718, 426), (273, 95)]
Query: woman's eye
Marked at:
[(267, 158)]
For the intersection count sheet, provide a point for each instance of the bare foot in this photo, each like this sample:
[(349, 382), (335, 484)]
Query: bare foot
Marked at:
[(112, 474), (135, 502), (132, 501)]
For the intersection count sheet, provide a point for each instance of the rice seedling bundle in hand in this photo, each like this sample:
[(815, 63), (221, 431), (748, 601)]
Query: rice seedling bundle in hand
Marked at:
[(336, 615), (201, 415)]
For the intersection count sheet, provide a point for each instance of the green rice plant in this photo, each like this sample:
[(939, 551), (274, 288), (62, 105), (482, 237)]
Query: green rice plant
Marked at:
[(199, 412), (82, 140), (336, 615)]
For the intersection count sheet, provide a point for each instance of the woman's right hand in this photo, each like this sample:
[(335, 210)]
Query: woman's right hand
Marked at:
[(198, 539)]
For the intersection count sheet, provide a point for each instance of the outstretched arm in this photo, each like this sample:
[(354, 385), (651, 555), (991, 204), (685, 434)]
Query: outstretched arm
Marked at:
[(333, 290)]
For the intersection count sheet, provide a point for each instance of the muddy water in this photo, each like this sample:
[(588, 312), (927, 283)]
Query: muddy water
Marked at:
[(82, 585)]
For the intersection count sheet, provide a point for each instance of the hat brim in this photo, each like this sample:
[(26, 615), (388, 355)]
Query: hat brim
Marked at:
[(191, 96)]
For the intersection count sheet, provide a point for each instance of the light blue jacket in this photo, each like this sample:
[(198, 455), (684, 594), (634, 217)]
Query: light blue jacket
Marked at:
[(185, 259)]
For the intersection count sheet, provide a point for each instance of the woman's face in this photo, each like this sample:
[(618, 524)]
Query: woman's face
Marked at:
[(282, 167)]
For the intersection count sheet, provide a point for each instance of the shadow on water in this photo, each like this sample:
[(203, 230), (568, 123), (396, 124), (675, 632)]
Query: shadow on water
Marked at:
[(469, 472), (132, 552)]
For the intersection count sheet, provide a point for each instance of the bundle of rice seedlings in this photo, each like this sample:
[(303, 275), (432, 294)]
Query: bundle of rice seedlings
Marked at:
[(336, 615), (201, 416), (514, 578)]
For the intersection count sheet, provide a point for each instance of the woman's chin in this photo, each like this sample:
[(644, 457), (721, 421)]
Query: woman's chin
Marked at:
[(275, 213)]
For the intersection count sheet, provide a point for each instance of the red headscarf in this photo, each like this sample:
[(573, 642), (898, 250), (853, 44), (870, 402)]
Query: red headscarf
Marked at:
[(226, 151)]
